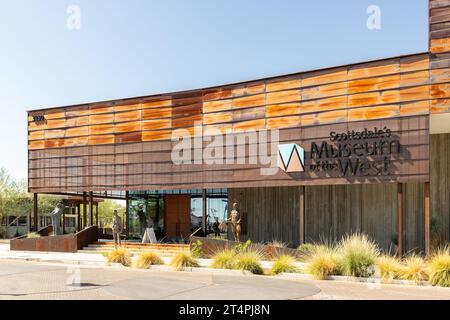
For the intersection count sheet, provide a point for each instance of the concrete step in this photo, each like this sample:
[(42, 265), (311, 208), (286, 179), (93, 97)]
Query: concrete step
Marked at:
[(141, 246), (133, 252), (133, 249)]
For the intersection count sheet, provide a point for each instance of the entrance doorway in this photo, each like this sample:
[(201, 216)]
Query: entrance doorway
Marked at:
[(177, 218)]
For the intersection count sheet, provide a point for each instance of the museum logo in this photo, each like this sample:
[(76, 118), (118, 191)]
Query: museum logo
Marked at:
[(291, 158), (356, 153)]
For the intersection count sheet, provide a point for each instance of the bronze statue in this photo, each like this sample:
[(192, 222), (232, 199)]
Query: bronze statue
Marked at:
[(235, 219), (117, 227), (56, 218)]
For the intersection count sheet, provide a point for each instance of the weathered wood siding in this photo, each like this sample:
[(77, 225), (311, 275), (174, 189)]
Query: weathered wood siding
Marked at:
[(439, 55), (268, 213), (125, 144), (331, 212), (440, 188)]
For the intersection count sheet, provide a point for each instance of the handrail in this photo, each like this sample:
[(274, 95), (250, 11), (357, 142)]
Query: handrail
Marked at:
[(195, 232)]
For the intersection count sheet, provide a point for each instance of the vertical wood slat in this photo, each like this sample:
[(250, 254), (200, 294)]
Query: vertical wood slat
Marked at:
[(302, 214), (427, 219), (127, 213), (84, 209), (91, 208), (204, 213), (400, 219)]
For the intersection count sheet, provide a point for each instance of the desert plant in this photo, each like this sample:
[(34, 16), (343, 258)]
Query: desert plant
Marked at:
[(243, 247), (120, 255), (357, 255), (306, 248), (440, 268), (249, 260), (414, 269), (183, 260), (197, 250), (323, 263), (32, 235), (284, 263), (388, 267), (277, 244), (147, 259), (224, 259)]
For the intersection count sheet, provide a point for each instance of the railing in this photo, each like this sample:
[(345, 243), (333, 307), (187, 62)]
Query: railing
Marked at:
[(195, 232)]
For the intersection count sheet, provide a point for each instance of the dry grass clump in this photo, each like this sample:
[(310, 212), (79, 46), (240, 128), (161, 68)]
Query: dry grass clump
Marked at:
[(120, 255), (147, 259), (388, 267), (284, 263), (323, 263), (182, 261), (357, 255), (224, 259), (249, 260), (440, 268), (415, 269)]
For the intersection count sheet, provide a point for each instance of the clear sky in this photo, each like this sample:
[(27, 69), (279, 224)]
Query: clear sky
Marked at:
[(137, 47)]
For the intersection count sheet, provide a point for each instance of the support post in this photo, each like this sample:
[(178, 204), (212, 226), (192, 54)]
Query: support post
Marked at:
[(427, 218), (400, 219), (96, 215), (35, 212), (91, 208), (78, 217), (301, 205), (84, 209), (127, 213), (204, 209), (64, 220)]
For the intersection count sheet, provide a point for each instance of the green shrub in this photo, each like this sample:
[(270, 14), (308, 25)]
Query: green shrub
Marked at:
[(147, 259), (33, 235), (183, 260), (284, 263), (388, 267), (249, 260), (322, 263), (306, 248), (357, 255), (197, 250), (121, 256), (224, 259), (440, 268), (414, 269)]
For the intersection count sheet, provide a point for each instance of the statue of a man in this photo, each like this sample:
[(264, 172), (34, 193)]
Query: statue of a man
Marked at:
[(117, 228), (56, 218), (235, 219)]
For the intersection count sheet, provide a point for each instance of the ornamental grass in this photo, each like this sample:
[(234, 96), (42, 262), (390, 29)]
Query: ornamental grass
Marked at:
[(147, 259), (224, 259), (120, 255), (440, 268), (415, 269), (323, 263), (284, 264), (182, 261), (388, 268), (357, 255)]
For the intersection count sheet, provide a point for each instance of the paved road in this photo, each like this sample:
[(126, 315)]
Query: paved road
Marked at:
[(29, 280), (32, 280)]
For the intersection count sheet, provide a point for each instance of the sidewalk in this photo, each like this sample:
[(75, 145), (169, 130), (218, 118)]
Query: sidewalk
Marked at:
[(54, 257)]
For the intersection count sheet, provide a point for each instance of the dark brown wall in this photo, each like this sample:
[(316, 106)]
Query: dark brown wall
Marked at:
[(332, 212), (440, 187)]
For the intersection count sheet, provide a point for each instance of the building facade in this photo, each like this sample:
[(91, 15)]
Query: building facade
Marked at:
[(307, 156)]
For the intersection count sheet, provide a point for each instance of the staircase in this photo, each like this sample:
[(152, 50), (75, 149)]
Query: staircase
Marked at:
[(137, 248)]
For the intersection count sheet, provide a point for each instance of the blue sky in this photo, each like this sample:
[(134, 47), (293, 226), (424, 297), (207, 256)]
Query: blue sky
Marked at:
[(133, 48)]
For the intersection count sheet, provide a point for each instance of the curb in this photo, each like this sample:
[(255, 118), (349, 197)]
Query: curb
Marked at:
[(302, 276)]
